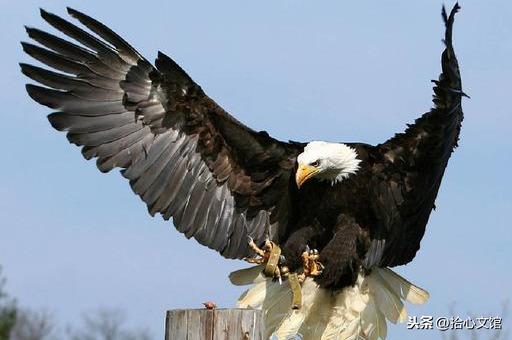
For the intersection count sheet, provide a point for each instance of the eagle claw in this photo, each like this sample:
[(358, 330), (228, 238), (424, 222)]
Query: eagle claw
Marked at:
[(312, 265), (270, 256)]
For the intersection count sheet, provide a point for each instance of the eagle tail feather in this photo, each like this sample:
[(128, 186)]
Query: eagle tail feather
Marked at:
[(356, 312)]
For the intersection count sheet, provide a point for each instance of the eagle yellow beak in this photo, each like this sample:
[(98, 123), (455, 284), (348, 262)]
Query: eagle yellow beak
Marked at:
[(305, 172)]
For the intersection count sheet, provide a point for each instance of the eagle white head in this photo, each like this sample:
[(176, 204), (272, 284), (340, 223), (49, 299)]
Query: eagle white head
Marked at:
[(326, 161)]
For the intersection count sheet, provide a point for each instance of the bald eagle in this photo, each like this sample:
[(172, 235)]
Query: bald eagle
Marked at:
[(329, 218)]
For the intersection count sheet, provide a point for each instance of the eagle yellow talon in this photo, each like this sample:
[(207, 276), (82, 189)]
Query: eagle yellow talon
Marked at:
[(262, 253), (312, 265), (270, 256)]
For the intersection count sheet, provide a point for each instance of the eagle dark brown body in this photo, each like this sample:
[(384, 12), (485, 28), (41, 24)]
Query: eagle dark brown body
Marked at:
[(222, 182)]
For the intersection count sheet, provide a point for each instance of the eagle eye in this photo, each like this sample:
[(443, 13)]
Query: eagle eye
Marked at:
[(315, 163)]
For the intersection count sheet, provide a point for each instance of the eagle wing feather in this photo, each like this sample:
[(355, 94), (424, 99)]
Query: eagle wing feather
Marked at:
[(186, 157), (409, 167)]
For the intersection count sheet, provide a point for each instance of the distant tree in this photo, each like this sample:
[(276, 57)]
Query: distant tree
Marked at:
[(24, 324), (33, 325), (106, 324), (8, 310)]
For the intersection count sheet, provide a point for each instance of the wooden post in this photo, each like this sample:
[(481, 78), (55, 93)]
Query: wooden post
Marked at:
[(216, 324)]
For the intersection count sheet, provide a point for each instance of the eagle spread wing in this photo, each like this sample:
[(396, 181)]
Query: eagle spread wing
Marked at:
[(187, 158), (410, 166), (222, 182)]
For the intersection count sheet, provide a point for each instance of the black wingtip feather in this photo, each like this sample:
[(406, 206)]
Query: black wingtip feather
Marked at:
[(25, 46), (37, 93), (75, 13), (449, 18), (71, 11), (56, 122), (107, 34), (448, 21), (31, 30), (30, 48), (25, 69), (53, 19), (166, 64), (44, 14)]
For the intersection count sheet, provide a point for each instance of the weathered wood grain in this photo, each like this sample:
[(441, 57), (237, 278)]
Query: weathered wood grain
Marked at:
[(217, 324)]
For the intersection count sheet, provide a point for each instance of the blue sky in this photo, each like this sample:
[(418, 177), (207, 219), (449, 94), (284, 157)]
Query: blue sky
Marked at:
[(73, 239)]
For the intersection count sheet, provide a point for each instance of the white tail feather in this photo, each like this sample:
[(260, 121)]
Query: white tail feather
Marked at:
[(244, 277), (388, 302), (276, 307), (410, 292), (316, 322), (373, 322), (357, 312), (295, 318)]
